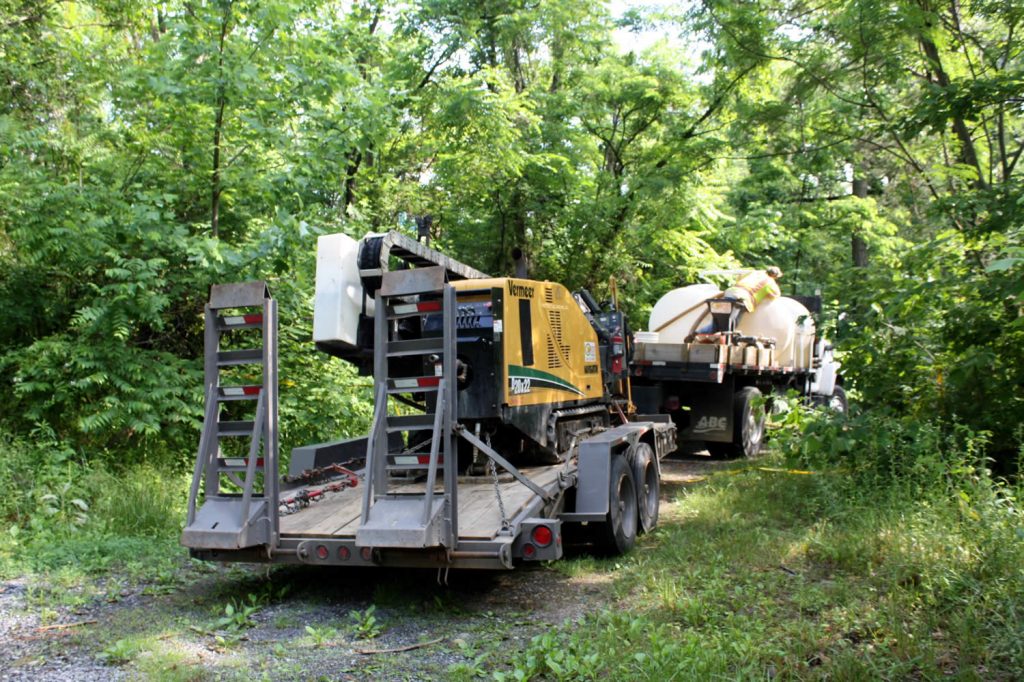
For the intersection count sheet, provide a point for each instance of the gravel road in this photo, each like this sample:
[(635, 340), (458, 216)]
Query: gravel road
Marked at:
[(298, 622)]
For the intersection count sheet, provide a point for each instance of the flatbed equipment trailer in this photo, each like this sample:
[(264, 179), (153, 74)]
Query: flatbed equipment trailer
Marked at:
[(404, 495)]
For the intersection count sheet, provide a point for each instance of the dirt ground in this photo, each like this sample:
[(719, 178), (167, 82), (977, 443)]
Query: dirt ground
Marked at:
[(246, 622)]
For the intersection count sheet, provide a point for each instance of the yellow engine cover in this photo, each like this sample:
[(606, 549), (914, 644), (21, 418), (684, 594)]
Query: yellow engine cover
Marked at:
[(549, 350)]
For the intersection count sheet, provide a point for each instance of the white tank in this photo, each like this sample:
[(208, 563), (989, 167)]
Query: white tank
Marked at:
[(339, 291), (789, 323), (682, 311), (674, 315)]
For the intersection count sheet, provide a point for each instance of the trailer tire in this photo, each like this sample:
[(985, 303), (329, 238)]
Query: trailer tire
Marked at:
[(648, 487), (747, 426), (617, 534)]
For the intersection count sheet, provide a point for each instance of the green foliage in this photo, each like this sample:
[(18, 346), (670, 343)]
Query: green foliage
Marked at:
[(897, 554), (939, 335), (120, 652), (238, 616), (365, 624), (322, 635), (60, 513), (143, 502)]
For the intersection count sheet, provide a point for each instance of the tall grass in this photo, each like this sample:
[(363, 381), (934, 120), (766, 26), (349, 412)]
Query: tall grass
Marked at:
[(899, 556), (57, 510)]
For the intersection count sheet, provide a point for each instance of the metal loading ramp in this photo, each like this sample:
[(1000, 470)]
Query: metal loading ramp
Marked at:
[(393, 515), (239, 492)]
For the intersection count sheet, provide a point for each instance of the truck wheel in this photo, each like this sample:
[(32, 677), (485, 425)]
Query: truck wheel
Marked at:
[(748, 428), (648, 487), (838, 400), (617, 534)]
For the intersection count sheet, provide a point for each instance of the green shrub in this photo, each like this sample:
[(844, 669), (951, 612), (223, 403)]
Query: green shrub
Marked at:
[(41, 484), (877, 452)]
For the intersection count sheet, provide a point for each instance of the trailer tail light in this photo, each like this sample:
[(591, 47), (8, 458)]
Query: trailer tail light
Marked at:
[(366, 553), (541, 540), (542, 536), (344, 553), (321, 552)]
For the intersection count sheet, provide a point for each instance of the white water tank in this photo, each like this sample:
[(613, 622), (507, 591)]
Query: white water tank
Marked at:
[(339, 292), (682, 311), (674, 315), (789, 323)]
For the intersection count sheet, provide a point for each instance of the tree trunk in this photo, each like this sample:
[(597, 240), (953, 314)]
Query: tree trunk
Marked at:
[(968, 154), (355, 159), (215, 190), (218, 126), (857, 244)]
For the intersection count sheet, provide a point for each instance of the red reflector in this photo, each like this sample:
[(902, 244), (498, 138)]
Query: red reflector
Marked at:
[(428, 381), (254, 318), (344, 553), (366, 553), (428, 306), (542, 536), (425, 459), (321, 552), (529, 550), (251, 390)]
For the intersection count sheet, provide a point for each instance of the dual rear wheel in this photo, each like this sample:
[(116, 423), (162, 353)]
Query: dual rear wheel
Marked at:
[(634, 488)]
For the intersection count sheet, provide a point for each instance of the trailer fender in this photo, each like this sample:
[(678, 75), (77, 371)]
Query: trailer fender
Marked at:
[(595, 457)]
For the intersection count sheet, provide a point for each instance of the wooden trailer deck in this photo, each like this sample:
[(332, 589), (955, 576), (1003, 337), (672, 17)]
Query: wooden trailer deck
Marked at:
[(479, 516)]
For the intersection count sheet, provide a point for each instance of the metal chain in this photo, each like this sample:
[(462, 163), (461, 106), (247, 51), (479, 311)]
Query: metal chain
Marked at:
[(497, 489)]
